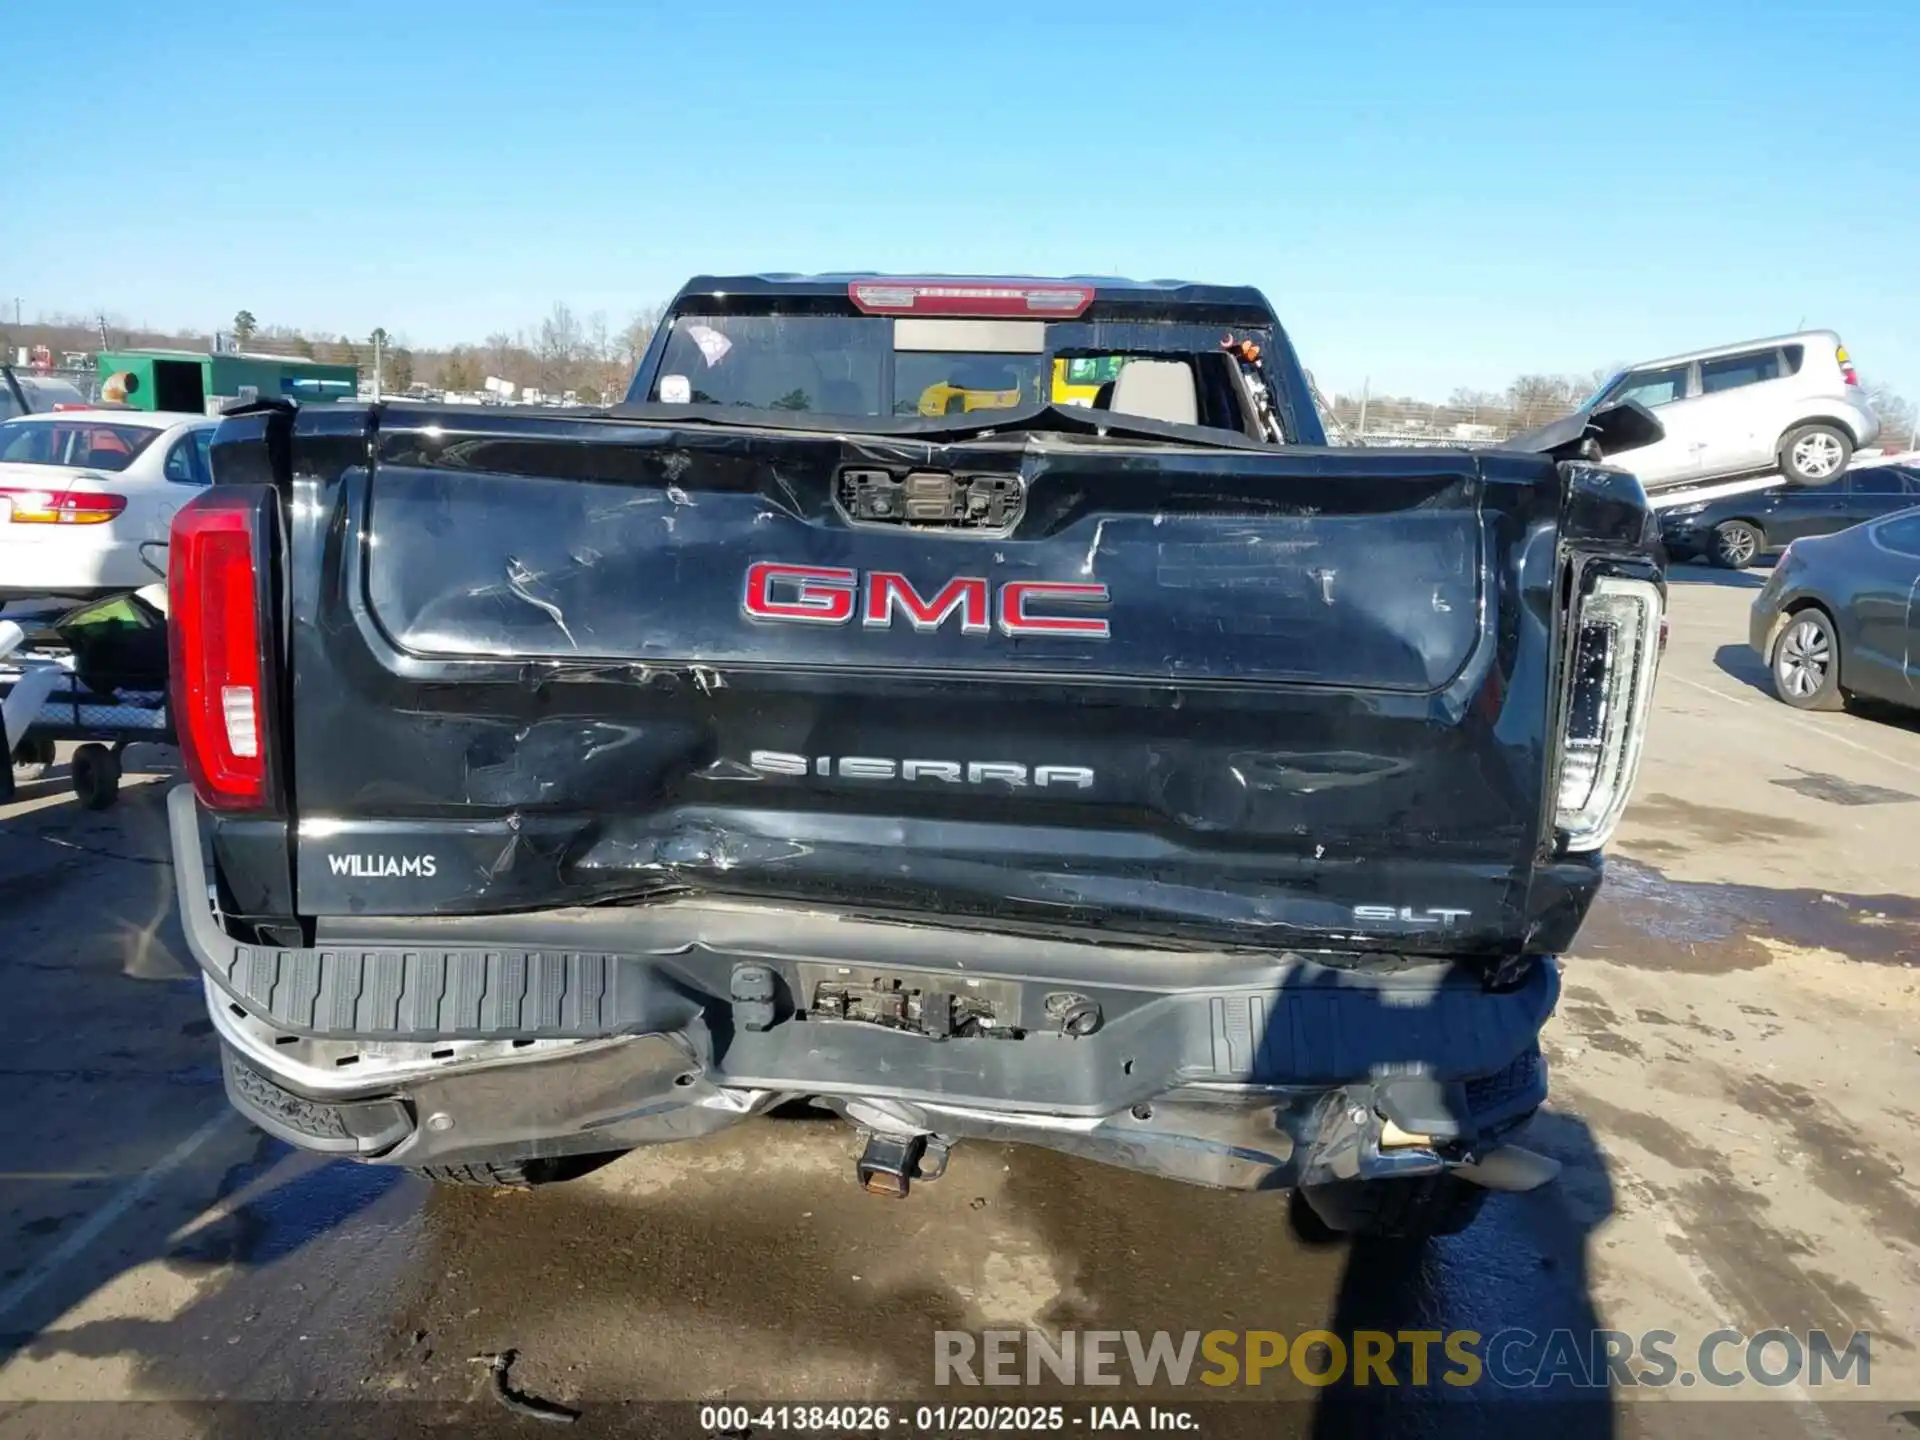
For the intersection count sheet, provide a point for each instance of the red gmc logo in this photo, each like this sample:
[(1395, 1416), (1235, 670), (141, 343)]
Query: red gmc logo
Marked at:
[(825, 595)]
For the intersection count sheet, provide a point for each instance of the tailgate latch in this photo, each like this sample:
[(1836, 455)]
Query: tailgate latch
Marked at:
[(929, 495), (931, 498)]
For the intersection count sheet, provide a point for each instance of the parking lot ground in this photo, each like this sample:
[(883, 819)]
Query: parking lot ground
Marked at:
[(1736, 1065)]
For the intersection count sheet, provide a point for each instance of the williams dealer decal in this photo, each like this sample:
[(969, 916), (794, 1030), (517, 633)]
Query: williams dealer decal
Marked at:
[(383, 867)]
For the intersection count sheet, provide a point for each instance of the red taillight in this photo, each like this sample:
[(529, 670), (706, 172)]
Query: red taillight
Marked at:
[(996, 298), (43, 507), (218, 682), (1846, 365)]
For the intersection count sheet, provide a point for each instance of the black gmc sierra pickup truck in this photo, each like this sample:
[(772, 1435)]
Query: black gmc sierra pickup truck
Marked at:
[(858, 716)]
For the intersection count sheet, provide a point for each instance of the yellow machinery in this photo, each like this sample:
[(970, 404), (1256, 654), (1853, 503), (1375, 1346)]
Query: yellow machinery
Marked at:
[(1077, 379), (947, 398)]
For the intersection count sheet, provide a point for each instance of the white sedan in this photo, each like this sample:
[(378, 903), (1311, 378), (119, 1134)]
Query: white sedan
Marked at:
[(83, 491)]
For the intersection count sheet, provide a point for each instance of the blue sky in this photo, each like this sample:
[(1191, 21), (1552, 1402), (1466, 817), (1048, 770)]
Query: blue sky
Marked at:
[(1432, 195)]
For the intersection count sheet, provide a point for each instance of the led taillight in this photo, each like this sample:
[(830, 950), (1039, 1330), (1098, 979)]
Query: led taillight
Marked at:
[(1619, 632), (985, 298), (42, 507), (218, 679)]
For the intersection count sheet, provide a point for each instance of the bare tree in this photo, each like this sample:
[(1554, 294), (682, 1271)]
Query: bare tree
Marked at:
[(1536, 399), (1899, 419), (460, 370), (500, 355), (1469, 399), (603, 353), (639, 331), (557, 349)]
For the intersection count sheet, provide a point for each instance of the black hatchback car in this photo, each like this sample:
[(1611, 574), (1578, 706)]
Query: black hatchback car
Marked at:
[(1739, 529), (1840, 616)]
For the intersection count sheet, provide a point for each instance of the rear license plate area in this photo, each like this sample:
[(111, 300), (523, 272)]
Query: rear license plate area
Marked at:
[(938, 1006)]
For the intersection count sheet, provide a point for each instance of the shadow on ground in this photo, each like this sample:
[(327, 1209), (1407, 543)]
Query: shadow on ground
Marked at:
[(691, 1292), (1740, 662), (112, 1104), (1519, 1279)]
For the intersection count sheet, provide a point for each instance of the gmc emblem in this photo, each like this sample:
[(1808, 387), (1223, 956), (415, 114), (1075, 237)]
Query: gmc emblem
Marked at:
[(825, 595)]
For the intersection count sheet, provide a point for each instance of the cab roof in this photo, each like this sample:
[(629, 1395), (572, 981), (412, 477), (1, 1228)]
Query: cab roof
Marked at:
[(1113, 297)]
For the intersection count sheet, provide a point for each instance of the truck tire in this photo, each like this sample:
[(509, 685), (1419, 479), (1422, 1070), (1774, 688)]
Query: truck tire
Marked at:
[(32, 757), (515, 1174), (1413, 1209), (96, 776), (1736, 545), (1815, 454)]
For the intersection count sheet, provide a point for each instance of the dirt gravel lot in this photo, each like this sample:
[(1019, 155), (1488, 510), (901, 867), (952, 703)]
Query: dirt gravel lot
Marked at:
[(1736, 1066)]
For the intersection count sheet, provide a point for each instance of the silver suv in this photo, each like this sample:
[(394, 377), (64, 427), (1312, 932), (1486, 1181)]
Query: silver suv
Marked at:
[(1792, 403)]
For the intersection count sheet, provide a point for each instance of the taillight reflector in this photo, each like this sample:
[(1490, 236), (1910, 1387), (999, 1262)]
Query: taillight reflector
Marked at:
[(43, 507), (969, 297), (217, 684)]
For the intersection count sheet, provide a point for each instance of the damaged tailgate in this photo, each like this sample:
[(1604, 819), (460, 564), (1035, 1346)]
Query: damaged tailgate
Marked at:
[(1270, 696)]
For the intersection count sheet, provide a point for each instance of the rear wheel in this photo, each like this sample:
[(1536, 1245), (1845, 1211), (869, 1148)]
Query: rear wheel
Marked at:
[(516, 1174), (1412, 1209), (1806, 662), (1736, 545), (32, 757), (96, 776), (1815, 454)]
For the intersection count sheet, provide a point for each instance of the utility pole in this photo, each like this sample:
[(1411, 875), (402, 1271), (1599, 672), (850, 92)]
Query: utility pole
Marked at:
[(16, 312), (378, 335), (1366, 387)]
